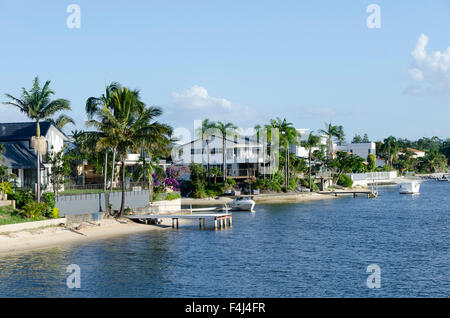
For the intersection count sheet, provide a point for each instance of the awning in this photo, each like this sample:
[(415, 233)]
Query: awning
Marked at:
[(16, 156)]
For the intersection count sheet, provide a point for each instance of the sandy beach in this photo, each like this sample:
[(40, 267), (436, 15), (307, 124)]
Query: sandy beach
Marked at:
[(59, 235)]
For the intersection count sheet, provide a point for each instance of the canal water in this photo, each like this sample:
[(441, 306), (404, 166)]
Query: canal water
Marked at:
[(315, 249)]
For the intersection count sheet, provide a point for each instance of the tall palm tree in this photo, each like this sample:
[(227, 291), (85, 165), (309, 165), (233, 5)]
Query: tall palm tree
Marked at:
[(257, 129), (36, 103), (94, 110), (390, 148), (225, 129), (288, 136), (206, 125), (331, 132), (129, 123), (312, 142)]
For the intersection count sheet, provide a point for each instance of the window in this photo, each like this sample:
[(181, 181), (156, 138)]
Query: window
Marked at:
[(192, 151)]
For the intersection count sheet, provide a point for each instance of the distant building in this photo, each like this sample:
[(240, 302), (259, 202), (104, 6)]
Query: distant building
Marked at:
[(300, 151), (417, 153), (243, 154), (359, 149), (20, 158)]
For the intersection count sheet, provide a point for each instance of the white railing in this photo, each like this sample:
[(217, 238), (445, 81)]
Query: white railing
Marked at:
[(373, 176)]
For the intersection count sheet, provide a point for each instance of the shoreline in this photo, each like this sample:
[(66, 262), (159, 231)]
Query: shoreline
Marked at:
[(265, 198), (53, 236)]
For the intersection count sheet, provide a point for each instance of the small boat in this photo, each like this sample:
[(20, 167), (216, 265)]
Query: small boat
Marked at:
[(443, 178), (410, 188), (243, 203)]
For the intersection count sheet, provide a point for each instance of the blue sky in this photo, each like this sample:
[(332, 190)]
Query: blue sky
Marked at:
[(242, 61)]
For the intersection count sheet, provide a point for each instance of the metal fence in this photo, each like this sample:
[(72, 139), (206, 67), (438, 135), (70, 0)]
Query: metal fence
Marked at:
[(74, 189)]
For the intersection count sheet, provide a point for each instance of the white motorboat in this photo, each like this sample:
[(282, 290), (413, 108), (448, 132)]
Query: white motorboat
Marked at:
[(243, 203), (410, 188), (443, 178)]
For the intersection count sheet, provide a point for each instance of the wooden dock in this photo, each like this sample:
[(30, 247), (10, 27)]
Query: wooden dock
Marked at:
[(220, 219), (367, 193)]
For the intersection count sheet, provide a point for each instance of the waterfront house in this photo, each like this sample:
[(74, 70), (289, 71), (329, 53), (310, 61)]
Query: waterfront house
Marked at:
[(362, 150), (302, 152), (244, 155), (20, 158)]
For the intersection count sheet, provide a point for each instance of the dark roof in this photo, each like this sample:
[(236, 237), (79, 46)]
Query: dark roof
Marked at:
[(23, 131), (16, 156)]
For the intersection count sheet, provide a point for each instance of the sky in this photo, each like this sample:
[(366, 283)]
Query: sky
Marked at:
[(241, 61)]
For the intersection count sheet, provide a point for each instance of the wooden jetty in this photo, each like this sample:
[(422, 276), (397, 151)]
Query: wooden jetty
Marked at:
[(220, 219), (368, 193)]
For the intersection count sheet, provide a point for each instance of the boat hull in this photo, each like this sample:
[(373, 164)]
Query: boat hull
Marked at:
[(410, 188), (243, 206)]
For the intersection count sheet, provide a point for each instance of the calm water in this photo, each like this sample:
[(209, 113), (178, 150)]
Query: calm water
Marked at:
[(317, 249)]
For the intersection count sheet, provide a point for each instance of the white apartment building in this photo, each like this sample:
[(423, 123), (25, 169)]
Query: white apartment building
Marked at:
[(300, 151), (243, 154), (359, 149)]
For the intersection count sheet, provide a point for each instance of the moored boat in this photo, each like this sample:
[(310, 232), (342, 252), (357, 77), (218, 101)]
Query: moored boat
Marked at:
[(243, 203), (410, 188)]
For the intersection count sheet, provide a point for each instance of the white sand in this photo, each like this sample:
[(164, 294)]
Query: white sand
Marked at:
[(56, 236)]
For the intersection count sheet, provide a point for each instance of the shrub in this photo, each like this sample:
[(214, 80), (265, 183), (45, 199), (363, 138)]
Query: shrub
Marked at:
[(22, 197), (34, 210), (231, 181), (6, 186), (345, 181), (54, 214), (49, 198)]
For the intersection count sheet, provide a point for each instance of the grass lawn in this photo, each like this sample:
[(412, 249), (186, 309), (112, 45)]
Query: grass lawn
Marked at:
[(8, 216)]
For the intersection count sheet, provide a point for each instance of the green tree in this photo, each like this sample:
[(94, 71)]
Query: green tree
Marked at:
[(312, 142), (36, 103), (226, 130), (372, 162), (126, 123), (331, 132), (390, 148)]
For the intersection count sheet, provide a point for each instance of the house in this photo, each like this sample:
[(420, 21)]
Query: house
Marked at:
[(417, 153), (300, 151), (362, 150), (20, 158), (244, 155)]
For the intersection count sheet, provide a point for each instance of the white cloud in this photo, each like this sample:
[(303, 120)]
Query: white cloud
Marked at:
[(431, 69), (195, 103), (197, 98)]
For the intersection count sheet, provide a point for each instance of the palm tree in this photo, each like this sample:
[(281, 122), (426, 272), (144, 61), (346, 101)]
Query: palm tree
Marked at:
[(216, 172), (288, 135), (129, 123), (332, 132), (206, 125), (94, 110), (390, 148), (313, 141), (62, 121), (257, 128), (37, 104), (225, 129)]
